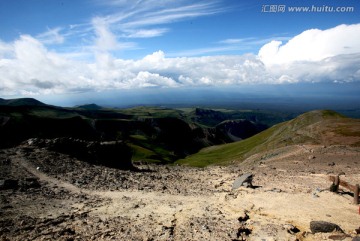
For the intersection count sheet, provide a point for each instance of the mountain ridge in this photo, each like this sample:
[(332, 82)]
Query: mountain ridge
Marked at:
[(21, 102), (319, 127), (91, 106)]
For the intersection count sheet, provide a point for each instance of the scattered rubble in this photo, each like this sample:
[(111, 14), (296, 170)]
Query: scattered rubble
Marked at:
[(61, 197)]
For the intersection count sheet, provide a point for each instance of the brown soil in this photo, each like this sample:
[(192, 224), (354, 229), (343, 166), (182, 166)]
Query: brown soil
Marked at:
[(79, 201)]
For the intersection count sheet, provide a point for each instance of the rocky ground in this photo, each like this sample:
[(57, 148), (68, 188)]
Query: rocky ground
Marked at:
[(52, 196)]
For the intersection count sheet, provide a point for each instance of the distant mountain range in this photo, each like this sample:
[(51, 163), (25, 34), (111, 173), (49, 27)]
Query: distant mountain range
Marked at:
[(89, 107), (198, 136)]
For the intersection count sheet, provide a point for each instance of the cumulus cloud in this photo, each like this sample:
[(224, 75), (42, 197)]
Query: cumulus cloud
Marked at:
[(313, 45), (315, 55), (27, 66), (34, 69)]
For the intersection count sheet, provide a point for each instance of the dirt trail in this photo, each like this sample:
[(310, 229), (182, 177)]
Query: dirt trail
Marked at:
[(156, 197), (44, 177)]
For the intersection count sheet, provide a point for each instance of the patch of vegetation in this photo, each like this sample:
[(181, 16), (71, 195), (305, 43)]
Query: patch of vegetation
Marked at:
[(153, 112), (52, 113), (330, 113), (227, 153), (144, 155), (146, 150)]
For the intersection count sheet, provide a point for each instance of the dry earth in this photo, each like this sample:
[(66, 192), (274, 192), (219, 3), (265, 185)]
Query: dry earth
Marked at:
[(79, 201)]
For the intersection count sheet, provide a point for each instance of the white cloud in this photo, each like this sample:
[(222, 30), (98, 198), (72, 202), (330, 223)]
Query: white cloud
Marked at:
[(145, 33), (5, 49), (136, 19), (315, 55), (206, 51), (250, 44), (34, 69), (232, 41), (313, 45), (153, 15), (147, 79), (52, 36), (126, 19), (340, 68), (28, 67), (106, 40)]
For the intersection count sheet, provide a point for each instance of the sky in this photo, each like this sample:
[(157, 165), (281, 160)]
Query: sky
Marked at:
[(64, 48)]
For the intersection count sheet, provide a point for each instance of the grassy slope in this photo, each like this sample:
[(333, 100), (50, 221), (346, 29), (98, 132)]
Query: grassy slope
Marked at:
[(146, 150), (309, 128)]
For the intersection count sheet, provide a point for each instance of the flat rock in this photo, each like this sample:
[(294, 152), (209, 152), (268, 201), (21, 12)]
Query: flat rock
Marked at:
[(245, 178), (323, 227)]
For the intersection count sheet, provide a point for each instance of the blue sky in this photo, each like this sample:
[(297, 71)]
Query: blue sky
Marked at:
[(188, 28), (62, 47)]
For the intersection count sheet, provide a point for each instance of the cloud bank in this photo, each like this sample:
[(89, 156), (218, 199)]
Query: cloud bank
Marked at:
[(29, 67)]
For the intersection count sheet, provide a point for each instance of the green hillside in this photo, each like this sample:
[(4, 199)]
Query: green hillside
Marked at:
[(315, 127)]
